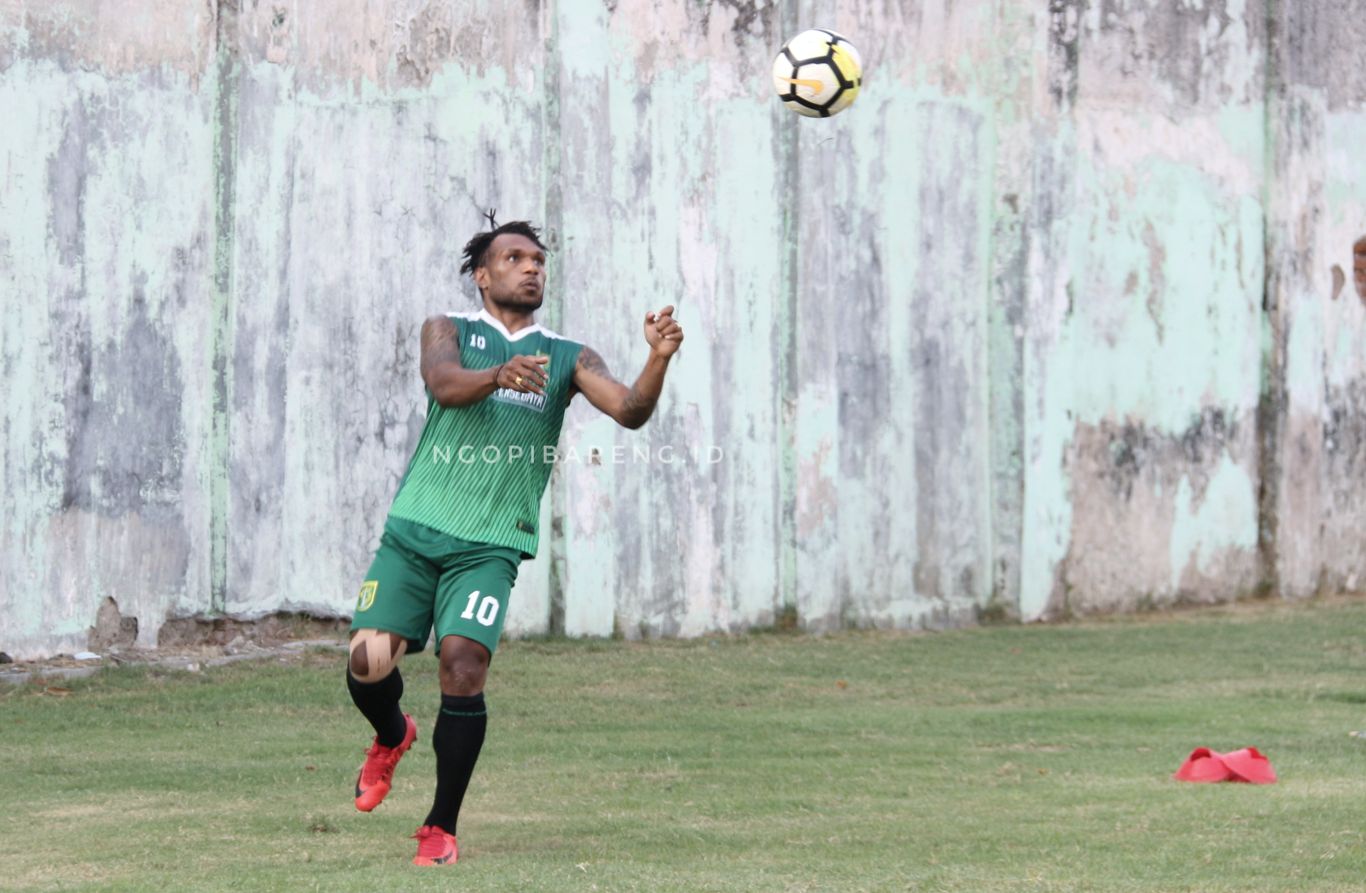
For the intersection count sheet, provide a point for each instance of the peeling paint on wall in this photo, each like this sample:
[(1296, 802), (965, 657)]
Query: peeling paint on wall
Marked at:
[(1048, 322)]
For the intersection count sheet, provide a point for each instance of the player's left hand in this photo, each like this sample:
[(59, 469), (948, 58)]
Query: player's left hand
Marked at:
[(662, 332)]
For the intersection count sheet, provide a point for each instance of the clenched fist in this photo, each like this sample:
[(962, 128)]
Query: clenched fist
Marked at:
[(662, 332)]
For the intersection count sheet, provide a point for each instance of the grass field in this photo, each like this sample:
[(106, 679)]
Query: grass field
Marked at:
[(1004, 758)]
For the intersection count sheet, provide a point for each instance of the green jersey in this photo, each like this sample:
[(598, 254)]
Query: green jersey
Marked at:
[(479, 471)]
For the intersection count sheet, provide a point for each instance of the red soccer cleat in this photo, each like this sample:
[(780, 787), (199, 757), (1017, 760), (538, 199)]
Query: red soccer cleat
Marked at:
[(377, 773), (435, 847)]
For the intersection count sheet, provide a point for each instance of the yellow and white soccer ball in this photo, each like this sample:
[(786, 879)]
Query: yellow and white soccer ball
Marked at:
[(818, 73)]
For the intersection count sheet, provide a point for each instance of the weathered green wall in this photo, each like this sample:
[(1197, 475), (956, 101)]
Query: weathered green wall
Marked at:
[(1045, 324), (1143, 335)]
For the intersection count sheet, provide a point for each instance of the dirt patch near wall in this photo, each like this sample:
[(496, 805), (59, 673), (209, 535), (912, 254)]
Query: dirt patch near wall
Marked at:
[(192, 644), (273, 629)]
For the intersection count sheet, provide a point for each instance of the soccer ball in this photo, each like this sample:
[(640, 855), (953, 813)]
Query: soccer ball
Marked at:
[(817, 73)]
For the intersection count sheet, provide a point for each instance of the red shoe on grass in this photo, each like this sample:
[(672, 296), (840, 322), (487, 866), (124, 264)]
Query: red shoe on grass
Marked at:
[(377, 773), (435, 847)]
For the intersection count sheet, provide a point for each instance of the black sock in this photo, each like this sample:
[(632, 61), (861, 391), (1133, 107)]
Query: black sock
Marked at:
[(378, 701), (458, 736)]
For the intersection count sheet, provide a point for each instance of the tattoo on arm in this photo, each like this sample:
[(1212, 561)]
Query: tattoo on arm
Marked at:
[(636, 409), (440, 343), (591, 361)]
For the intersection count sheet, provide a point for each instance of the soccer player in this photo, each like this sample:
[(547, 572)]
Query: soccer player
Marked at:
[(465, 514)]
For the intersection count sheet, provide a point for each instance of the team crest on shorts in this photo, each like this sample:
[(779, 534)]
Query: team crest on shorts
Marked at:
[(367, 595)]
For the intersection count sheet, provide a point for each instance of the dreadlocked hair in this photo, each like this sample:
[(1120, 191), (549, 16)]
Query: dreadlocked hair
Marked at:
[(476, 248)]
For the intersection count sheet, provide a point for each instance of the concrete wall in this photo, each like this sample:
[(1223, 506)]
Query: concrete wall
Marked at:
[(1047, 324), (1316, 210), (108, 253), (1143, 344)]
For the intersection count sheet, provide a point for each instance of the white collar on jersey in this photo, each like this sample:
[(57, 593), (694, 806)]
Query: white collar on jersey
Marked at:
[(502, 329), (498, 326)]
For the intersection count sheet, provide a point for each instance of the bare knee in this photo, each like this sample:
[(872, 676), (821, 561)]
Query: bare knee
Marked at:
[(374, 654), (464, 666)]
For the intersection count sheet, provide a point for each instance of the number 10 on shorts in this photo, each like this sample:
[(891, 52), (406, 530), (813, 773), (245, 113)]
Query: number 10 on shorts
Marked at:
[(487, 611)]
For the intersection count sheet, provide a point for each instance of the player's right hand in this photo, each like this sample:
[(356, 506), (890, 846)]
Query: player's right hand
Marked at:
[(524, 373)]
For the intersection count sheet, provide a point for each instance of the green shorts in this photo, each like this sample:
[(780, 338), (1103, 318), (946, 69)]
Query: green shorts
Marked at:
[(422, 577)]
